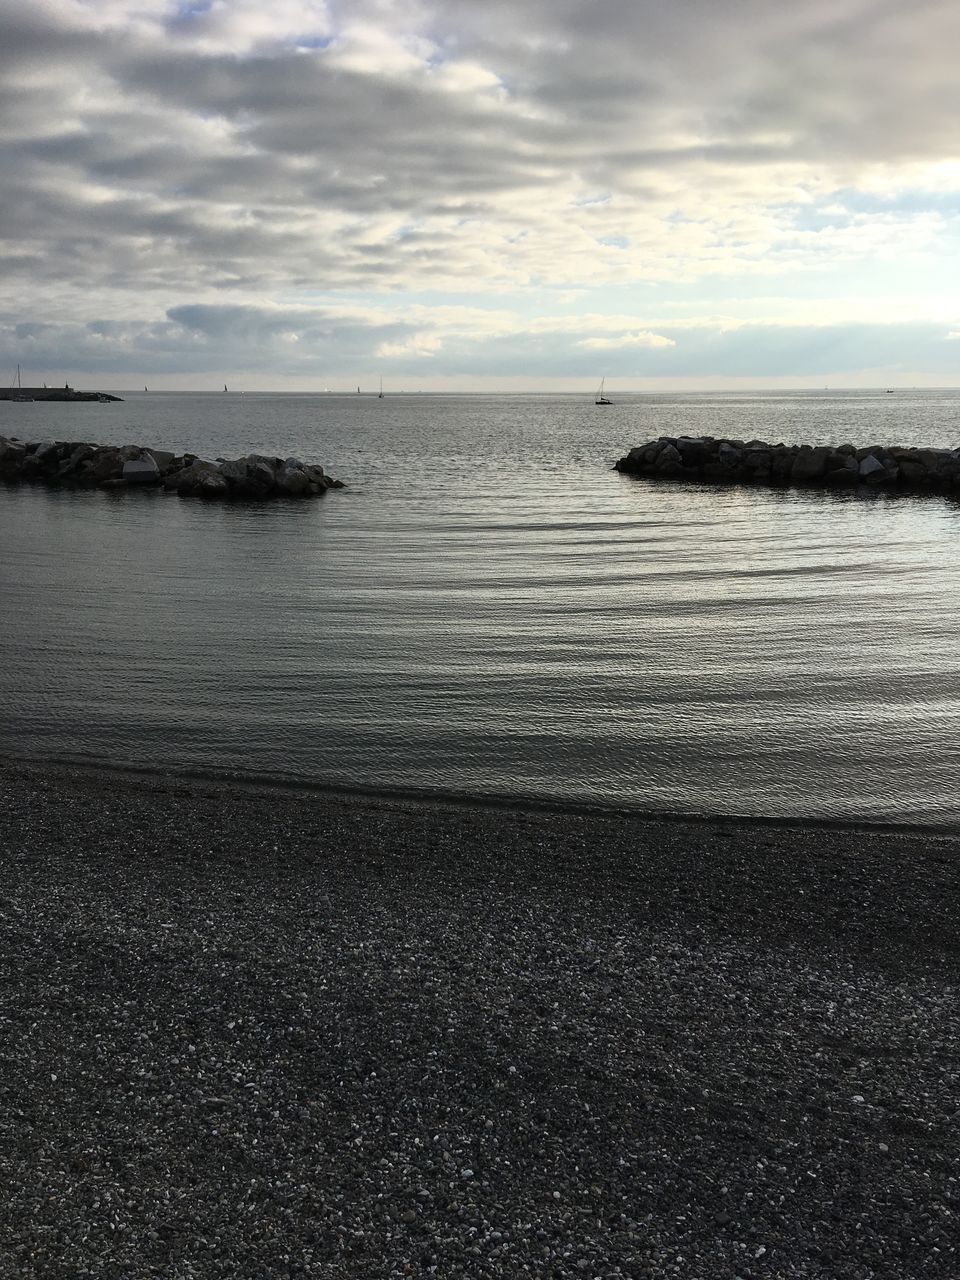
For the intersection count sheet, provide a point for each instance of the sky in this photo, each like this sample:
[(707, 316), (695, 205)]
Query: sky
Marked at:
[(480, 195)]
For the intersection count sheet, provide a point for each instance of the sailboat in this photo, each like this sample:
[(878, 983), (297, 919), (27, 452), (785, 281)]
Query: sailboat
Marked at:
[(380, 396), (601, 398), (21, 399), (224, 386)]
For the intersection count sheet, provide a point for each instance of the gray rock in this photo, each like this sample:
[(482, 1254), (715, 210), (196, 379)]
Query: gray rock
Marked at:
[(235, 471), (293, 482), (142, 470), (669, 456), (730, 455), (46, 451), (162, 457), (809, 465)]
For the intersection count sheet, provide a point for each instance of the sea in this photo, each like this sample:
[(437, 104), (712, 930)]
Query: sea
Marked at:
[(489, 611)]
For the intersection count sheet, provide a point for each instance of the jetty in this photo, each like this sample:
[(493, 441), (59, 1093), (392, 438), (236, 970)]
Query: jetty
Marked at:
[(61, 394), (710, 460), (70, 464)]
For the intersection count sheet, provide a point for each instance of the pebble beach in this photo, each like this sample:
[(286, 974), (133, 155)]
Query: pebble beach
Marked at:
[(255, 1032)]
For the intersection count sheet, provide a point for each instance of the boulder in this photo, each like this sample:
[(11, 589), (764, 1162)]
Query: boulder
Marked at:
[(235, 472), (669, 461), (809, 465), (913, 474), (106, 464), (142, 470), (730, 455), (162, 457), (188, 481), (695, 452), (46, 452), (211, 484), (844, 474), (871, 468), (82, 465), (261, 479), (757, 464), (293, 482), (12, 456)]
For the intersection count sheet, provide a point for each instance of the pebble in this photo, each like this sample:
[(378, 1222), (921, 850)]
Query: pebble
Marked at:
[(250, 1034)]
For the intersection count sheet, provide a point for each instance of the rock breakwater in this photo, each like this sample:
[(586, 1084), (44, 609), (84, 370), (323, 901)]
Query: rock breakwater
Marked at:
[(705, 458), (76, 465)]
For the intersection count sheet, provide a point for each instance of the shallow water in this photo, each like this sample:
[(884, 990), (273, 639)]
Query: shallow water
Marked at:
[(488, 609)]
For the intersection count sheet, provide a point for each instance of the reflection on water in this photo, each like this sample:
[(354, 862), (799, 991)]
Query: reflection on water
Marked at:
[(488, 609)]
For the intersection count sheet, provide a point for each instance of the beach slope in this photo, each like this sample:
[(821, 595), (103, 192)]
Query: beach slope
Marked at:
[(251, 1032)]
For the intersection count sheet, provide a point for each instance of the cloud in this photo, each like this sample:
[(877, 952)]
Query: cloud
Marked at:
[(650, 341), (171, 155)]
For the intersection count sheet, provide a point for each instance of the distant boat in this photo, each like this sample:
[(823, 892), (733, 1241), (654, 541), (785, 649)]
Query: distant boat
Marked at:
[(104, 399), (889, 392), (21, 399), (224, 386), (358, 390), (380, 396), (601, 398), (144, 388)]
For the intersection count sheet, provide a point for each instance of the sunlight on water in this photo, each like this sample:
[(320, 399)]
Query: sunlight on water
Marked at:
[(489, 609)]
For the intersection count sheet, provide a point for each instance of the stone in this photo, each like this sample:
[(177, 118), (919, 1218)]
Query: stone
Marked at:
[(162, 457), (253, 459), (235, 472), (913, 473), (46, 451), (695, 452), (842, 476), (211, 484), (730, 454), (757, 463), (261, 478), (12, 456), (189, 481), (720, 471), (106, 464), (669, 456), (142, 470), (871, 466), (293, 482), (84, 465), (809, 465)]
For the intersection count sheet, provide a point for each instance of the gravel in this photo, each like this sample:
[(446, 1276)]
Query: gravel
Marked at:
[(250, 1032)]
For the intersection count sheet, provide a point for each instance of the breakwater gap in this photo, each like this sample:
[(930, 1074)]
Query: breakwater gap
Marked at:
[(72, 465), (704, 458)]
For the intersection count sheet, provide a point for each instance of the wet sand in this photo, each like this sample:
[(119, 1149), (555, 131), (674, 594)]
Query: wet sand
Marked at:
[(256, 1032)]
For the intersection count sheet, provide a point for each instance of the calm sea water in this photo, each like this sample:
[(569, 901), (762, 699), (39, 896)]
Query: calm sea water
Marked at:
[(489, 610)]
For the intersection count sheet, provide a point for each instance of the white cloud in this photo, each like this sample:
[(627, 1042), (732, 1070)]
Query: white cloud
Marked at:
[(650, 341), (674, 163)]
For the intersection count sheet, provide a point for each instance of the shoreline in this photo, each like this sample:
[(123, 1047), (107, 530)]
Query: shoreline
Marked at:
[(283, 785), (253, 1032)]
